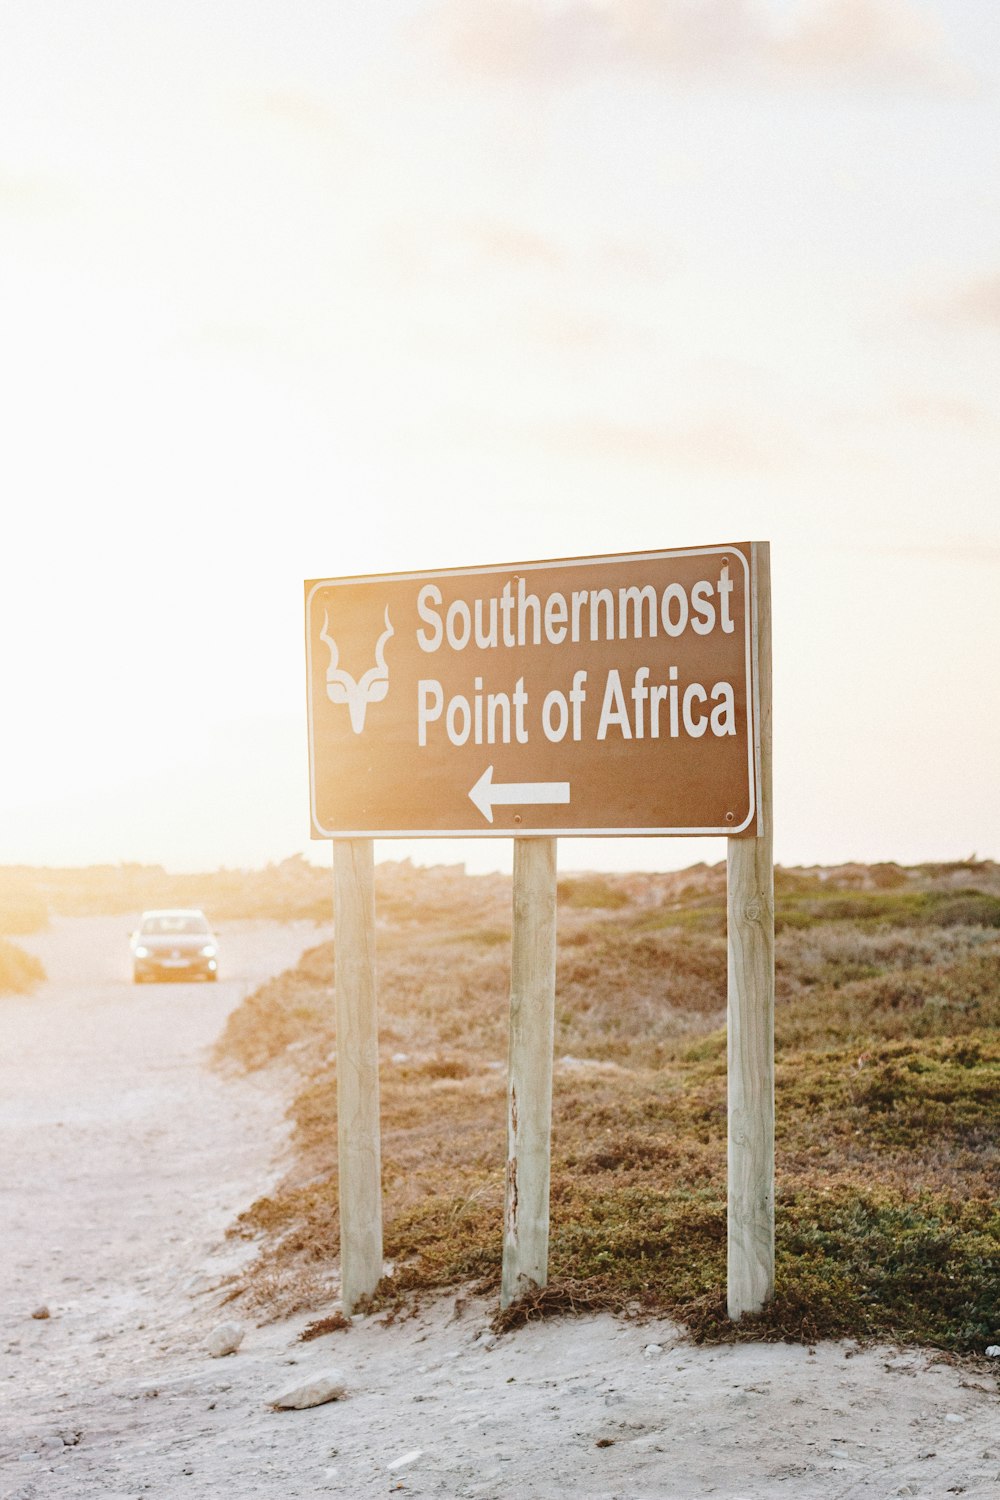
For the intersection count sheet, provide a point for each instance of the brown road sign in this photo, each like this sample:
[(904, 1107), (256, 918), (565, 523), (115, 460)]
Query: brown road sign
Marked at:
[(596, 695)]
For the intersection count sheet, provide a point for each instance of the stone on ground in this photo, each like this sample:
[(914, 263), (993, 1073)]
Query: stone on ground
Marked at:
[(226, 1338), (328, 1386)]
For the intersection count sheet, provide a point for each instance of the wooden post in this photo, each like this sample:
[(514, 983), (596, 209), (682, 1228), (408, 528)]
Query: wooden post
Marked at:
[(751, 1001), (358, 1136), (529, 1071)]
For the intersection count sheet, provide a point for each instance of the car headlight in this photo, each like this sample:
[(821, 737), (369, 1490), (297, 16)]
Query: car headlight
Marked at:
[(208, 951), (142, 952)]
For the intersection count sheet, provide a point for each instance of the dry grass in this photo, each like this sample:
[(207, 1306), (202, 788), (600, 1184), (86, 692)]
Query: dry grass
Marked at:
[(21, 910), (888, 1063), (20, 972), (335, 1323)]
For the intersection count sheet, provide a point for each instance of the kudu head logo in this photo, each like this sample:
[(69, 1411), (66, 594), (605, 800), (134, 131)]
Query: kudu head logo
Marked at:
[(371, 686)]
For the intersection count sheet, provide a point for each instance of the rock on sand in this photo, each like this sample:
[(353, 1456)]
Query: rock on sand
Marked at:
[(226, 1338), (328, 1386)]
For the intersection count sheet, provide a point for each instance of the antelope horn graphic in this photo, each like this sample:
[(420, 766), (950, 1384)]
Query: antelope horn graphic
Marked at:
[(371, 687), (380, 648), (328, 640)]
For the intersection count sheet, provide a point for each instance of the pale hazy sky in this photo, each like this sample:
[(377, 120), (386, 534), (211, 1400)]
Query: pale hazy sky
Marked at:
[(292, 289)]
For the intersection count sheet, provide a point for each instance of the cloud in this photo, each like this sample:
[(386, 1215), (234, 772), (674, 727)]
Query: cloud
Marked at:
[(974, 305), (493, 255), (891, 42), (566, 330), (978, 303), (506, 242), (710, 441), (882, 43), (919, 410), (636, 260), (945, 412), (556, 41)]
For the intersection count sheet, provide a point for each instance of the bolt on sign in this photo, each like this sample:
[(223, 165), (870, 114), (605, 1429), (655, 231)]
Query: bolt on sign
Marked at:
[(596, 695)]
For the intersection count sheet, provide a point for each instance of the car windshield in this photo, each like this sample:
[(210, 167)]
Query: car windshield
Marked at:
[(171, 924)]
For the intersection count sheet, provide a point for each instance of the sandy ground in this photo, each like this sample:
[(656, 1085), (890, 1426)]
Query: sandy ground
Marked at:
[(124, 1160)]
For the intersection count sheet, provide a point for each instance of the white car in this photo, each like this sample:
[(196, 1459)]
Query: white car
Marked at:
[(174, 944)]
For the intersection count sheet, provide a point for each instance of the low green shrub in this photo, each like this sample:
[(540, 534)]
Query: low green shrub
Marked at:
[(887, 1034)]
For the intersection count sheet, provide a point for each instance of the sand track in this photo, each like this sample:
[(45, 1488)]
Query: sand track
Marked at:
[(124, 1160)]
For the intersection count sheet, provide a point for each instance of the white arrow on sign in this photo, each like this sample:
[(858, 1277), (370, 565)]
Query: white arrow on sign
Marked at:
[(487, 794)]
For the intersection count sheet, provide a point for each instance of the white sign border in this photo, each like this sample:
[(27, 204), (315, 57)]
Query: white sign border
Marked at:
[(726, 831)]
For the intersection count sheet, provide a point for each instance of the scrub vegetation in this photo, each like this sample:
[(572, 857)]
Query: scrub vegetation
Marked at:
[(293, 890), (20, 972), (888, 1066), (888, 1115), (22, 907)]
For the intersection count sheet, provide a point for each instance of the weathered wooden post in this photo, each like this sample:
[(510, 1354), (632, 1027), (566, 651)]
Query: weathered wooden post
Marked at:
[(750, 914), (358, 1128), (529, 1072)]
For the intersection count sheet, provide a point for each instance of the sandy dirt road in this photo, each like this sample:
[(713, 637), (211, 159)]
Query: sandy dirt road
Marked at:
[(124, 1158)]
